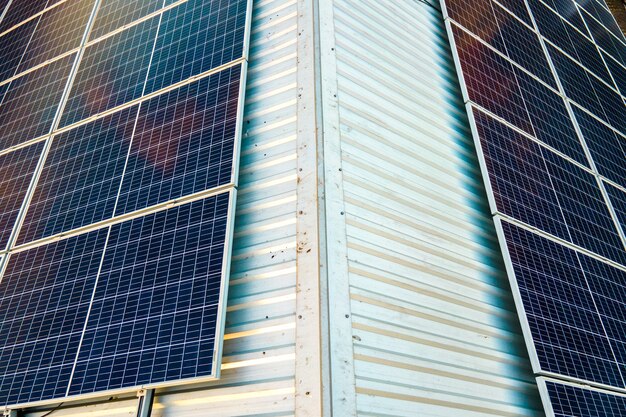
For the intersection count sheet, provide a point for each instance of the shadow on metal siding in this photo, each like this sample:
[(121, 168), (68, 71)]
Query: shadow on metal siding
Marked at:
[(434, 326), (258, 366)]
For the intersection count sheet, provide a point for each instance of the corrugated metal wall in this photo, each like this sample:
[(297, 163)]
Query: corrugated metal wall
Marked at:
[(433, 323), (259, 359)]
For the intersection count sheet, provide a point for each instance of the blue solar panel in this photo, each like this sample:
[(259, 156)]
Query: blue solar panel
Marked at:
[(132, 300), (81, 177), (12, 48), (572, 401), (19, 11), (16, 171), (568, 287), (184, 142), (195, 37), (156, 303), (111, 72), (113, 14), (59, 30), (31, 101), (607, 147), (518, 8), (567, 330), (45, 294)]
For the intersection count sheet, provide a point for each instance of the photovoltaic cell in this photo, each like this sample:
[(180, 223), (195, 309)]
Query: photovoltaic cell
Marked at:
[(567, 330), (523, 47), (155, 309), (81, 177), (479, 18), (607, 148), (568, 401), (602, 15), (12, 48), (490, 80), (58, 31), (19, 11), (518, 8), (519, 178), (30, 103), (584, 209), (45, 294), (549, 117), (618, 73), (606, 40), (184, 142), (16, 171), (114, 14), (111, 72), (195, 37)]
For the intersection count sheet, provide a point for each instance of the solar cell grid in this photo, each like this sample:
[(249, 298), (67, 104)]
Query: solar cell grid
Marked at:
[(111, 72), (12, 48), (16, 170), (605, 39), (114, 14), (59, 30), (490, 80), (184, 142), (568, 401), (155, 309), (607, 148), (618, 73), (602, 15), (20, 11), (518, 8), (567, 330), (523, 47), (81, 177), (45, 294), (550, 120), (30, 103), (519, 179), (195, 37), (479, 18)]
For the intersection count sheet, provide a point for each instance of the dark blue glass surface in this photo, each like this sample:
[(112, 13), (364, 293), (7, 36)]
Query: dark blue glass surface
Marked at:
[(568, 401), (20, 10), (184, 142), (113, 14), (518, 8), (59, 30), (155, 309), (111, 72), (31, 101), (16, 171), (12, 48), (566, 328), (45, 294), (195, 37), (81, 177)]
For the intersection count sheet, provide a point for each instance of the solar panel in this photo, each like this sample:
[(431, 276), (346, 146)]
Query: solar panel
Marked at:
[(81, 177), (156, 304), (553, 160), (567, 400), (120, 125)]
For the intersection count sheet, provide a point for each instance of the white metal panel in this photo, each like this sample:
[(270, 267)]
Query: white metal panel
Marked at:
[(258, 367), (433, 321)]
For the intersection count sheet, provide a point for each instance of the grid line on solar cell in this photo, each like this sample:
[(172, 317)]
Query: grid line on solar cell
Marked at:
[(16, 170), (166, 268), (114, 14), (568, 401), (80, 178), (20, 11), (184, 142), (12, 49), (111, 72), (59, 30), (46, 293), (604, 17), (30, 103), (568, 332), (605, 39), (195, 37)]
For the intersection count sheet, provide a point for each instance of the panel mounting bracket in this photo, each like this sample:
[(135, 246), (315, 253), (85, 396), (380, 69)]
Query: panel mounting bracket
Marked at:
[(10, 413), (144, 406)]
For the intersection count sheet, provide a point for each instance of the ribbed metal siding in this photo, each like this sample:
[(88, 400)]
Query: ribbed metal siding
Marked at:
[(258, 366), (434, 326)]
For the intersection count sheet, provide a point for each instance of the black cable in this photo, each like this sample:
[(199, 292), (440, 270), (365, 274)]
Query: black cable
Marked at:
[(52, 411)]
